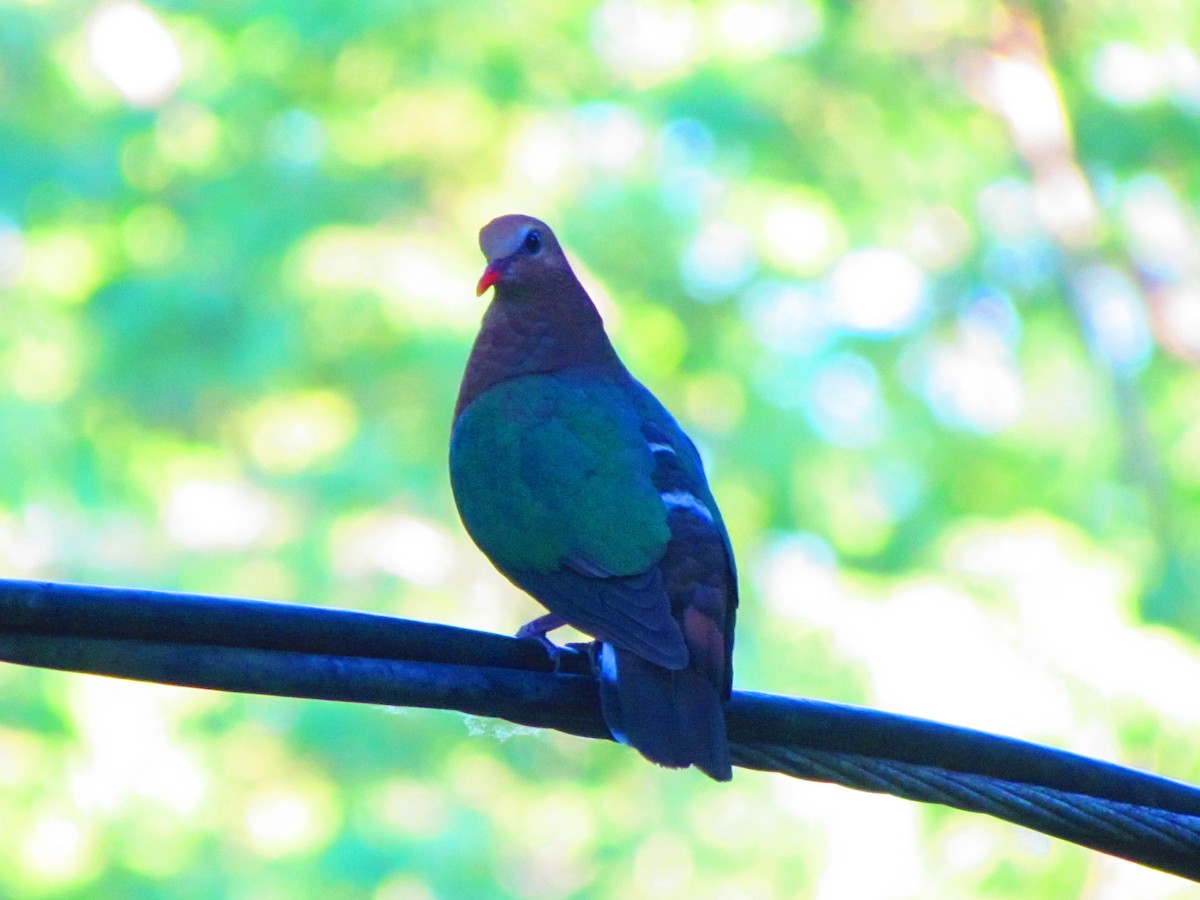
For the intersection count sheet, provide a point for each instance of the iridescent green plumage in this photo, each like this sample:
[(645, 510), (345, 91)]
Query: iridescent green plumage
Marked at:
[(578, 473), (583, 490)]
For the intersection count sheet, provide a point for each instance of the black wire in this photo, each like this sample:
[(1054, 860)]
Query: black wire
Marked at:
[(82, 610), (1144, 834), (287, 650)]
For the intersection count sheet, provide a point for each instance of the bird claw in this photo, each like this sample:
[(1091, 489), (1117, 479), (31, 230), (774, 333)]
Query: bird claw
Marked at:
[(568, 659), (574, 659), (552, 649)]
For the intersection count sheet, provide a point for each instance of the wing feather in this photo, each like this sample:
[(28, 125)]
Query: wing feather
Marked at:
[(554, 480)]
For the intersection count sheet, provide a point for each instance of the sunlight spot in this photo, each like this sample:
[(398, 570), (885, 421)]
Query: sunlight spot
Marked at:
[(974, 382), (891, 828), (730, 821), (541, 153), (559, 820), (1025, 95), (64, 265), (653, 341), (365, 69), (296, 816), (12, 251), (975, 385), (268, 579), (1128, 75), (912, 617), (844, 404), (787, 318), (44, 369), (719, 260), (1162, 233), (1065, 204), (1058, 580), (292, 432), (803, 234), (1006, 208), (131, 752), (479, 779), (404, 887), (969, 846), (422, 285), (897, 632), (751, 884), (135, 52), (1111, 878), (407, 123), (753, 30), (799, 559), (1183, 74), (400, 545), (646, 42), (416, 280), (1177, 317), (22, 754), (28, 545), (878, 291), (939, 239), (608, 136), (410, 808), (1114, 317), (685, 150), (663, 867), (715, 401), (55, 849), (222, 515), (155, 770), (188, 134), (993, 313)]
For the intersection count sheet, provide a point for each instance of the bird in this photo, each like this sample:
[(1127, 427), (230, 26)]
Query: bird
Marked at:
[(584, 492)]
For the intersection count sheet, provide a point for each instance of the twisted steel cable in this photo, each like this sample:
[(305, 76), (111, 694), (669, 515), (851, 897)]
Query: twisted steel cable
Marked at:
[(250, 646)]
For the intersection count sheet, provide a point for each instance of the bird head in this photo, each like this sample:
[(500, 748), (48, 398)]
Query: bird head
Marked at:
[(517, 249)]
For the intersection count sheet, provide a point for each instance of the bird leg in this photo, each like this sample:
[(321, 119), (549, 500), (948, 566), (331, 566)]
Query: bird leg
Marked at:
[(537, 630), (540, 626)]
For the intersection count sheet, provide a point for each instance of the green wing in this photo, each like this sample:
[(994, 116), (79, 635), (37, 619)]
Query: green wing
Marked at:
[(552, 476), (553, 470)]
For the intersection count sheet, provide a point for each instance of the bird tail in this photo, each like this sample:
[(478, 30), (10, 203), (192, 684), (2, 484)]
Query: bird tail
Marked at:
[(673, 718)]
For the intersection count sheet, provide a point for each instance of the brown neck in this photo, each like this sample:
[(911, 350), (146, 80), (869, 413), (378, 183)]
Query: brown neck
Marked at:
[(526, 330)]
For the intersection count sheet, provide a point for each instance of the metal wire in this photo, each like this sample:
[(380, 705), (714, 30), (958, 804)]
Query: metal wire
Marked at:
[(255, 647)]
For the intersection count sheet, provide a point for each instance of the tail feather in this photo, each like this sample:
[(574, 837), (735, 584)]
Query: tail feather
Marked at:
[(673, 718)]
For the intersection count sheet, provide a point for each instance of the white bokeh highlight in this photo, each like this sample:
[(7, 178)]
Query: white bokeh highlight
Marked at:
[(135, 52), (877, 291)]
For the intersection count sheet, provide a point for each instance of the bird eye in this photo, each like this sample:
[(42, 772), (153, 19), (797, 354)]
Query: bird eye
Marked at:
[(532, 242)]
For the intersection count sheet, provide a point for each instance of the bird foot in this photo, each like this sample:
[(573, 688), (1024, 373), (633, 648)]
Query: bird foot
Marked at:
[(552, 649), (572, 659), (540, 627)]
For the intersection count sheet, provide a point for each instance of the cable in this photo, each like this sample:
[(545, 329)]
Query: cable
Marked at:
[(250, 646)]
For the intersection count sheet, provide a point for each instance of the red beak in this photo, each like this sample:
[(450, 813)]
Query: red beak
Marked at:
[(490, 276)]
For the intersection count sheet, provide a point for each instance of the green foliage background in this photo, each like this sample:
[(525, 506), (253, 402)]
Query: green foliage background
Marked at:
[(922, 279)]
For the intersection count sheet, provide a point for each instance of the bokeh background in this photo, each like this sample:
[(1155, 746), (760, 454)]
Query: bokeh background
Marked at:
[(922, 278)]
